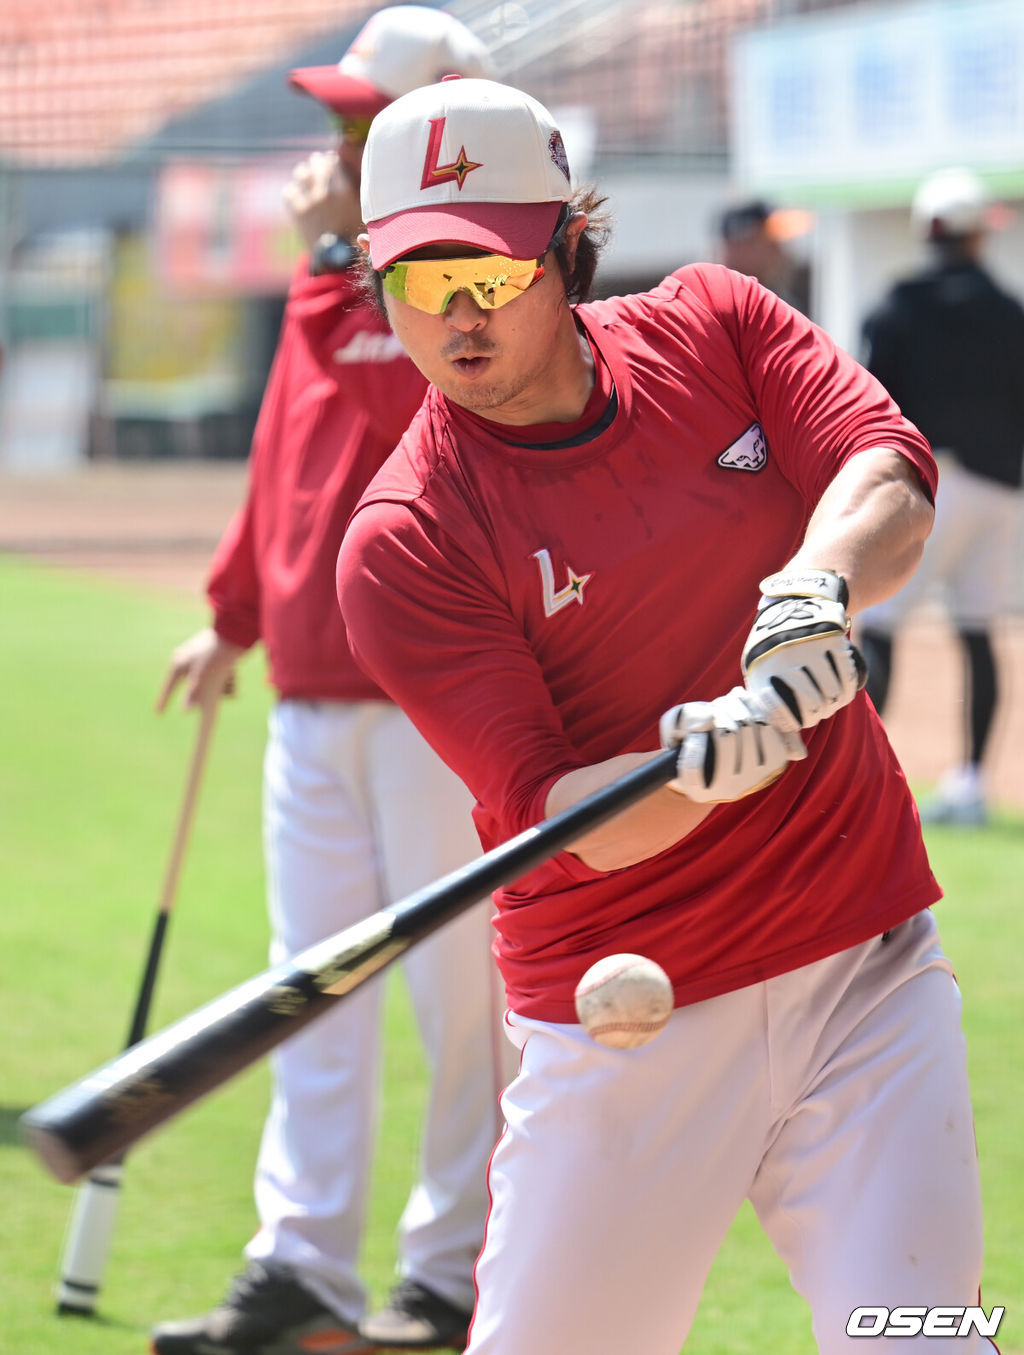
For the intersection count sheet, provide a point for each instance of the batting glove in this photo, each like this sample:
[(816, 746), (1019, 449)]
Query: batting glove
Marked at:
[(798, 657), (727, 748)]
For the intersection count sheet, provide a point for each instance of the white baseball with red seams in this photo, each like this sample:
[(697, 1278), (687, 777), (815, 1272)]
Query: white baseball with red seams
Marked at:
[(623, 1001)]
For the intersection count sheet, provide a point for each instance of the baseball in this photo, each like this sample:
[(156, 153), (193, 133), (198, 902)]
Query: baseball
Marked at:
[(623, 1001)]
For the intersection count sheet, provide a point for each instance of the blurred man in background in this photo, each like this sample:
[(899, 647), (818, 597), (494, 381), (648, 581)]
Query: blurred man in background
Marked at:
[(948, 343), (752, 238), (358, 811)]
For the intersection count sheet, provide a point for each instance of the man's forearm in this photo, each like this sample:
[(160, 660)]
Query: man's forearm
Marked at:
[(870, 526), (642, 831)]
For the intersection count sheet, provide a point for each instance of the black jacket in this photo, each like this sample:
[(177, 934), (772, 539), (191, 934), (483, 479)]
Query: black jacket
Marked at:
[(948, 345)]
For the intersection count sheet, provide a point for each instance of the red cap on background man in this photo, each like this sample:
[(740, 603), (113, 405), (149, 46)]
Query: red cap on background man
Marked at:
[(398, 49)]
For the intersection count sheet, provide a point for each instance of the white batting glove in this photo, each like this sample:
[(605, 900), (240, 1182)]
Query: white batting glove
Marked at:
[(727, 748), (798, 657)]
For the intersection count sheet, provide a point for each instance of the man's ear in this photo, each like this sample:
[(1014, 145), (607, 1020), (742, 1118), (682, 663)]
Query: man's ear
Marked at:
[(574, 228), (363, 241)]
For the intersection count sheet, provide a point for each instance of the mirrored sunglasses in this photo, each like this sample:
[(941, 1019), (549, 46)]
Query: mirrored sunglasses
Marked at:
[(351, 129), (492, 280)]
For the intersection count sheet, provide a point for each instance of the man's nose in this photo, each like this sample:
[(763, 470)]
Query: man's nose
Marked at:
[(463, 313)]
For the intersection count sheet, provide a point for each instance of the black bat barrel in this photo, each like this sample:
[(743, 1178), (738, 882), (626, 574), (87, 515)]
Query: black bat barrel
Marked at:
[(97, 1118), (93, 1120)]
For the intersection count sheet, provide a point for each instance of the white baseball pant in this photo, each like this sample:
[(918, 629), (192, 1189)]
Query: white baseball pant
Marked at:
[(835, 1098), (359, 812)]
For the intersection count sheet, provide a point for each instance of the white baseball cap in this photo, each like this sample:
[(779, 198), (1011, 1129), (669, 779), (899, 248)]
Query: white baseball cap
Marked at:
[(396, 50), (950, 202), (465, 161)]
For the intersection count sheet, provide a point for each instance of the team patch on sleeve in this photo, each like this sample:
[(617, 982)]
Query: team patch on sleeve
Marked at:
[(748, 452)]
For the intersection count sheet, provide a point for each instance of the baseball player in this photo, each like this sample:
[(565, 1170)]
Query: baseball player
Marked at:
[(639, 521), (358, 811), (948, 345)]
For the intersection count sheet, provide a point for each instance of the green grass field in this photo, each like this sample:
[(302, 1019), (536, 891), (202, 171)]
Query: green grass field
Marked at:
[(90, 781)]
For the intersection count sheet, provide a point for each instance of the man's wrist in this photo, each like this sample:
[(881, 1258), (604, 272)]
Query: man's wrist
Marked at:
[(823, 583), (331, 254)]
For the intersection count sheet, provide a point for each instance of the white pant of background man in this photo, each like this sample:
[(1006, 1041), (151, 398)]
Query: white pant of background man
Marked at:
[(969, 559), (969, 564), (359, 812)]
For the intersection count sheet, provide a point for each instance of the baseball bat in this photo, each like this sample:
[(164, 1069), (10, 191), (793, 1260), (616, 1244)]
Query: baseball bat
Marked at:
[(91, 1226), (94, 1119)]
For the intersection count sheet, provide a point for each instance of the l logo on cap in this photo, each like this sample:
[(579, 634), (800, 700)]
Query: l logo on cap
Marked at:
[(433, 173)]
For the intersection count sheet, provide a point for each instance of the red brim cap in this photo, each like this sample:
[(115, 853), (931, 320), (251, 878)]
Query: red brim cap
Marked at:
[(343, 94), (521, 230)]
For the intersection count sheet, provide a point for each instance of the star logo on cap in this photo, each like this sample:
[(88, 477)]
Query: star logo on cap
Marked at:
[(456, 171)]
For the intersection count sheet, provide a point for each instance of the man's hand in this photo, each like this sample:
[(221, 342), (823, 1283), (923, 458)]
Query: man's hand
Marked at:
[(206, 664), (727, 747), (322, 199), (798, 657)]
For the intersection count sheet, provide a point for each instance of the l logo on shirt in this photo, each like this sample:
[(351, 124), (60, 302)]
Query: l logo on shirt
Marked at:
[(748, 452), (572, 592)]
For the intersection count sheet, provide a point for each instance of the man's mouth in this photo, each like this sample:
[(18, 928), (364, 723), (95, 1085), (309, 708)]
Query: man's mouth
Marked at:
[(470, 363)]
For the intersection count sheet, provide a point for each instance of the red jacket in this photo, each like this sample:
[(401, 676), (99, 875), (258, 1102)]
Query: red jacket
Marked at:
[(340, 394)]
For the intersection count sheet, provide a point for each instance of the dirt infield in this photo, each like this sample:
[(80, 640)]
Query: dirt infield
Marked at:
[(156, 525)]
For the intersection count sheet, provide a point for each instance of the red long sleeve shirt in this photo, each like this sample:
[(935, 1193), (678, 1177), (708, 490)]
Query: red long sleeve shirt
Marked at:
[(536, 608), (340, 394)]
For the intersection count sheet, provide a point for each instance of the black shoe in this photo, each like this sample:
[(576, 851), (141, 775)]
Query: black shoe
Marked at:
[(265, 1312), (416, 1318)]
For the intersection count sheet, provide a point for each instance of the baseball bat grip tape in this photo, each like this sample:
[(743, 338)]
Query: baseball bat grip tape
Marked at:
[(98, 1117)]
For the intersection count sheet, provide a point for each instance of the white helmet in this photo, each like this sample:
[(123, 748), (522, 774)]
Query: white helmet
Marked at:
[(950, 202)]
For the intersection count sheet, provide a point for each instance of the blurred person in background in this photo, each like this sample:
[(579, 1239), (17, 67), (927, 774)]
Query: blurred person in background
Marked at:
[(948, 344), (358, 811), (752, 240)]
